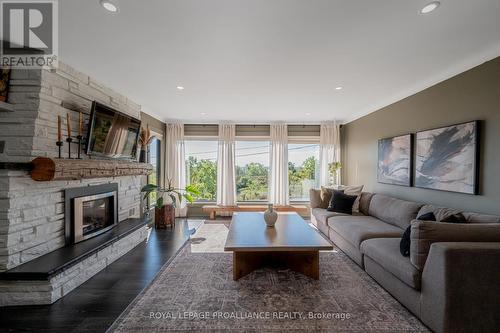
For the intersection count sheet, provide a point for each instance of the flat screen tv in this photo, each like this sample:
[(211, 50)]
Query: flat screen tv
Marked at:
[(112, 134)]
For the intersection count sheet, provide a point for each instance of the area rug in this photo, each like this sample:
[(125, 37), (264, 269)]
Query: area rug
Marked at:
[(195, 292)]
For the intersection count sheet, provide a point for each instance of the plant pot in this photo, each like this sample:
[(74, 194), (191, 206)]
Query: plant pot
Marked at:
[(165, 216)]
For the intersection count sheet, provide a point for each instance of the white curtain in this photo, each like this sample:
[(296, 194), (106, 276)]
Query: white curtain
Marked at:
[(329, 151), (226, 175), (278, 189), (175, 167)]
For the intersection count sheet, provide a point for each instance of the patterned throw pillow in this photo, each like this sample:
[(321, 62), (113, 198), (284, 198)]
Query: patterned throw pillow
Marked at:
[(443, 214), (327, 192), (454, 218), (326, 196)]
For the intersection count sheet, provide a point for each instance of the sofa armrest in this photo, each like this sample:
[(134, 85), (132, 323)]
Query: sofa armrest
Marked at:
[(424, 233), (461, 287), (315, 198)]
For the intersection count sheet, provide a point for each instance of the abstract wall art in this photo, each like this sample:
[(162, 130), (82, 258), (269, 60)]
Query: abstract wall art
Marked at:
[(447, 158), (395, 160)]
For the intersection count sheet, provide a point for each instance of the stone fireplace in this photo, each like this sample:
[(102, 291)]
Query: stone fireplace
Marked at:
[(90, 211), (32, 213), (49, 245)]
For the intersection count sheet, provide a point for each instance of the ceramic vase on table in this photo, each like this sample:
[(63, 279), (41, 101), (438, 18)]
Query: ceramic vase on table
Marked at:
[(270, 216)]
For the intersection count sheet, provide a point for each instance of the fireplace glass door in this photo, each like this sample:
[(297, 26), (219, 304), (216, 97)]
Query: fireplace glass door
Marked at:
[(93, 215)]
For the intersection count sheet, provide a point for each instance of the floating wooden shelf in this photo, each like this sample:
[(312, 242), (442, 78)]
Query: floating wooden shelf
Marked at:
[(46, 169)]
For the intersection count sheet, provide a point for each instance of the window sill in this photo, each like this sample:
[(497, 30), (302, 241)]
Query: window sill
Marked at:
[(203, 203)]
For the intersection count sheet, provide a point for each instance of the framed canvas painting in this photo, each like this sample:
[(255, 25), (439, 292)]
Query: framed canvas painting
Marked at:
[(448, 158), (395, 160)]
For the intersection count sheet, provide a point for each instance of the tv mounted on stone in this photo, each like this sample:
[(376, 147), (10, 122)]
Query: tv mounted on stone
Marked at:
[(112, 134)]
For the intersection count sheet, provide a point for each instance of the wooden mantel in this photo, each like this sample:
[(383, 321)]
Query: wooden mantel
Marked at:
[(46, 169)]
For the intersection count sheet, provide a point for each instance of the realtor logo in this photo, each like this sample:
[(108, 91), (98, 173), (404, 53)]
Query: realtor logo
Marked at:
[(29, 33)]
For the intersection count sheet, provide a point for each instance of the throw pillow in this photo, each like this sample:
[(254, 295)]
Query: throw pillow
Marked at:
[(330, 200), (353, 190), (326, 195), (455, 218), (341, 202), (427, 217), (441, 213), (404, 245)]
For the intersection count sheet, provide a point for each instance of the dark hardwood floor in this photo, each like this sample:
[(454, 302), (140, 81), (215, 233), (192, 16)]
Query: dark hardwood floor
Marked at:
[(96, 304)]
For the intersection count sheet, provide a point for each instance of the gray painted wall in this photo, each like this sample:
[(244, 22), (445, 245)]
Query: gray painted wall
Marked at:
[(472, 95)]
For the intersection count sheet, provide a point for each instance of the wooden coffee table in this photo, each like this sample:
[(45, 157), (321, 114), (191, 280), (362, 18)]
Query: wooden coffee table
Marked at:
[(292, 243)]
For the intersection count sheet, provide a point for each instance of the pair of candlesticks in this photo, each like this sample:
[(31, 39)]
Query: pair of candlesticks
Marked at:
[(69, 140)]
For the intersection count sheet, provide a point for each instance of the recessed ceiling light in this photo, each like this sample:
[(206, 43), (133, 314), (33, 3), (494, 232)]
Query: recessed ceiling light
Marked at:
[(430, 7), (308, 113), (339, 88), (110, 5), (203, 113), (180, 88)]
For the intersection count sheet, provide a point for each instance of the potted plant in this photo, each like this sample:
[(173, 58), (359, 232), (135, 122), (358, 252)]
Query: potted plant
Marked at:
[(333, 168), (165, 212)]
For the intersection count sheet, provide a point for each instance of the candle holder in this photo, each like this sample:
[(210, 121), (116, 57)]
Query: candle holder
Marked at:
[(69, 140), (79, 138), (59, 145)]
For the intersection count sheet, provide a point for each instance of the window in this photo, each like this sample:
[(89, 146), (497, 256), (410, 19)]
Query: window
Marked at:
[(303, 169), (201, 167), (252, 170), (154, 160)]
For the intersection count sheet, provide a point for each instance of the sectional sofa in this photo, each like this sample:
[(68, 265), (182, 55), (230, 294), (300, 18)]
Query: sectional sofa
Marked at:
[(451, 280)]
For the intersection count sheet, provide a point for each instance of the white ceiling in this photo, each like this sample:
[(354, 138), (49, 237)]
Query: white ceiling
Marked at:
[(270, 60)]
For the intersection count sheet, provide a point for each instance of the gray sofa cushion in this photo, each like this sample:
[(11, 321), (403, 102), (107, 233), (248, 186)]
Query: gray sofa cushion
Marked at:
[(424, 233), (352, 251), (356, 229), (394, 211), (385, 251), (322, 215)]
